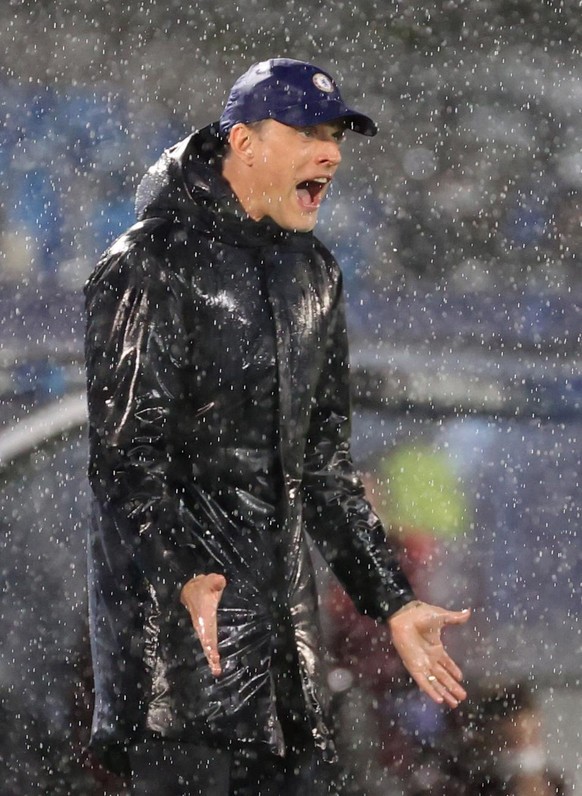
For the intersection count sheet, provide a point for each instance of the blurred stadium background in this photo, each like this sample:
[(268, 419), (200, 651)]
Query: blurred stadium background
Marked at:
[(459, 229)]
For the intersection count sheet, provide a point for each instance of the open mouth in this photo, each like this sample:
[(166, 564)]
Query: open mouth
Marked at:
[(310, 192)]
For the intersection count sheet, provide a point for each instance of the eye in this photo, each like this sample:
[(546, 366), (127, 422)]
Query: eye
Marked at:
[(308, 132)]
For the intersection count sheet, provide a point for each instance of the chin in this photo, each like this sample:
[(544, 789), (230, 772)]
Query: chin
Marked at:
[(296, 222), (305, 223), (305, 227)]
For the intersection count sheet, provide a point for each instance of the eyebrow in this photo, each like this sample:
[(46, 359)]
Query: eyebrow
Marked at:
[(338, 128)]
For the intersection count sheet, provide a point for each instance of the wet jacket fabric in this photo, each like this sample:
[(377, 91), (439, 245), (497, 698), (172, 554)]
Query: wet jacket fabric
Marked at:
[(219, 441)]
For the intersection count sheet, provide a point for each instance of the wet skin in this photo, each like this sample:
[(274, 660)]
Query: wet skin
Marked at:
[(283, 172)]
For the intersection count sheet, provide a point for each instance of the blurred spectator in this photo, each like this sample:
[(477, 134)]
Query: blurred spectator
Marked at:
[(499, 744), (64, 163), (491, 747), (386, 730)]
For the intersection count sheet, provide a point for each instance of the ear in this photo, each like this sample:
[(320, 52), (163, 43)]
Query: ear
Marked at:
[(241, 142)]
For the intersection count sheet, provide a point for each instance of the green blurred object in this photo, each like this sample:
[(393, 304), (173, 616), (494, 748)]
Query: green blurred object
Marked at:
[(424, 492)]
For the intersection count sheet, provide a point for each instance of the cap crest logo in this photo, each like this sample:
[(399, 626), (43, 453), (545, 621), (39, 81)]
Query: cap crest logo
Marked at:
[(323, 83)]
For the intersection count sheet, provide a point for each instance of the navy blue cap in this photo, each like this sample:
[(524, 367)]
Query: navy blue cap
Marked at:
[(291, 92)]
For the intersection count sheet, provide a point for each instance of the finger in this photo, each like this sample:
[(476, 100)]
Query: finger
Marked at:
[(429, 686), (208, 634), (450, 699), (451, 667), (436, 678), (448, 685), (217, 587), (436, 690), (208, 622)]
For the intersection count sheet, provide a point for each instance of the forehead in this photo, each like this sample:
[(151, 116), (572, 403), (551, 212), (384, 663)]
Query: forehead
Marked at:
[(324, 128)]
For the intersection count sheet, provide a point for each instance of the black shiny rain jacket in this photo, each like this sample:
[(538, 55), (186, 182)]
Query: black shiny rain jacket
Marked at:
[(219, 439)]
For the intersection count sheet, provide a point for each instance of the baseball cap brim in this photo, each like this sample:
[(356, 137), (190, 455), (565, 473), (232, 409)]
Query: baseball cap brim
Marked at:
[(323, 113)]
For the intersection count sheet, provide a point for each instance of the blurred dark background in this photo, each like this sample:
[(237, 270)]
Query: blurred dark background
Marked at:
[(459, 230)]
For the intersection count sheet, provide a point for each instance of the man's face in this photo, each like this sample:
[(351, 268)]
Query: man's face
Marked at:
[(291, 172)]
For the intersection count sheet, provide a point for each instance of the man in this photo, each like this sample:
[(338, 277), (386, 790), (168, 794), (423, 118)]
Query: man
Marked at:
[(219, 434)]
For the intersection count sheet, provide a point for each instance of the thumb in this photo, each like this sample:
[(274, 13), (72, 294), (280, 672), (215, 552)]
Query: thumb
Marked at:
[(457, 617)]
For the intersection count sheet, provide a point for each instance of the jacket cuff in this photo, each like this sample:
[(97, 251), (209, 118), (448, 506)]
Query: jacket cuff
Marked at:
[(388, 607)]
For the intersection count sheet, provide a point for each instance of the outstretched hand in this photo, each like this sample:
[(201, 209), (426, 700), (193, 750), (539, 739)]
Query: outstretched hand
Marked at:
[(201, 596), (416, 634)]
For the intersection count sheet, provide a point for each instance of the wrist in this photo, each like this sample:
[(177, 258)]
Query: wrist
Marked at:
[(409, 608)]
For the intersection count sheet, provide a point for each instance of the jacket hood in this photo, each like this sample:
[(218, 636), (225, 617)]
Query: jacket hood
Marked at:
[(187, 175), (186, 184)]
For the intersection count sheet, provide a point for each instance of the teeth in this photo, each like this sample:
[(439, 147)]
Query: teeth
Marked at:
[(321, 180)]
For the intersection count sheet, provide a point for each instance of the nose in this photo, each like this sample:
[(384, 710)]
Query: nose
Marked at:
[(330, 152)]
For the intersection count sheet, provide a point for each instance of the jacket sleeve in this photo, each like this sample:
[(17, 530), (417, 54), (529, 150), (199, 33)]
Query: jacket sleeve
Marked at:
[(136, 357), (339, 518)]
